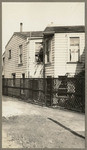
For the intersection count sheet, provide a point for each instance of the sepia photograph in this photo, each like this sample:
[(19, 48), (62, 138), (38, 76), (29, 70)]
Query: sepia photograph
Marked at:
[(43, 75)]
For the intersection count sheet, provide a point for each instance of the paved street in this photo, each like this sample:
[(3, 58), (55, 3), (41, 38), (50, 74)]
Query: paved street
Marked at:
[(26, 125)]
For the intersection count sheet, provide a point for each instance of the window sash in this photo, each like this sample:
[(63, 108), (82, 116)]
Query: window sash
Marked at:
[(74, 50)]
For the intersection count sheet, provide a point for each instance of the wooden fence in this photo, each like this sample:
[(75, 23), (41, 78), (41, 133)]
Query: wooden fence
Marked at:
[(63, 92)]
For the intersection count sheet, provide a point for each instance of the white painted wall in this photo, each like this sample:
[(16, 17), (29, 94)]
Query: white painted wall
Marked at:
[(11, 65), (61, 66)]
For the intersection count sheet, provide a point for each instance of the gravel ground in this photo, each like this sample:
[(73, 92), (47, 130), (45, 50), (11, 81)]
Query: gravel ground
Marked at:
[(26, 125)]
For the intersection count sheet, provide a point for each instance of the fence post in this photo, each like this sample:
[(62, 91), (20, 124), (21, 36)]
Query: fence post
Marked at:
[(51, 91), (7, 86), (20, 87), (3, 86), (32, 87), (44, 84), (83, 95)]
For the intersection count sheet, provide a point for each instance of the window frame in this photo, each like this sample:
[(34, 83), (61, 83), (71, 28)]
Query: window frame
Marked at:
[(20, 54), (37, 52), (79, 59)]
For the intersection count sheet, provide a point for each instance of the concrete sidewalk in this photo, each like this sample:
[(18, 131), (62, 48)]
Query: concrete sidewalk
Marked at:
[(67, 125)]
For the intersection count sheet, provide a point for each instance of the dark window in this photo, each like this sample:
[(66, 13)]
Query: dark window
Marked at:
[(38, 52), (9, 54), (3, 60), (2, 76), (20, 54), (14, 76), (49, 76), (23, 75)]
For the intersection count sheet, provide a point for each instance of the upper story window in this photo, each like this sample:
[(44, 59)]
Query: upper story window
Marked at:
[(20, 54), (3, 60), (38, 52), (48, 51), (9, 54), (74, 50)]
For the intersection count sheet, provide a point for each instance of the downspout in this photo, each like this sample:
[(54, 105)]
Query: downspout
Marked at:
[(28, 57), (44, 78)]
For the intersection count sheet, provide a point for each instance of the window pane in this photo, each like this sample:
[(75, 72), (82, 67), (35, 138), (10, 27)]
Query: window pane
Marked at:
[(38, 46), (74, 41)]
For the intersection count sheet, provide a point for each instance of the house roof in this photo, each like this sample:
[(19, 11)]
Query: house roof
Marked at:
[(30, 34), (27, 34), (64, 29)]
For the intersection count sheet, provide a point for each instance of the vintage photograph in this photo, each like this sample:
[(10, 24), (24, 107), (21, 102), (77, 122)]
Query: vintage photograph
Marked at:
[(43, 75)]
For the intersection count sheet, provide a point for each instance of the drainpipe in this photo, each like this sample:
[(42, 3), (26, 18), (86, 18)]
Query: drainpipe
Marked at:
[(44, 78)]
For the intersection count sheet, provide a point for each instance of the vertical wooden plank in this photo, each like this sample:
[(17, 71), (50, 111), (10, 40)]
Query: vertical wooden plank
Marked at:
[(51, 91), (7, 86), (83, 95), (20, 87), (32, 87)]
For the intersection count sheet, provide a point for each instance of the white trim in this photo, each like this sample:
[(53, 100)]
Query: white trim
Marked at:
[(69, 45)]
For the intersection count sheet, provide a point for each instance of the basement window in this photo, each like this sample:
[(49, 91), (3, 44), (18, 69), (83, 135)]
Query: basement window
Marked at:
[(13, 76), (38, 52), (23, 75)]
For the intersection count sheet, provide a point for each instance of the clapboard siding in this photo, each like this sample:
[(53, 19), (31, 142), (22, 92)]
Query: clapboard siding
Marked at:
[(11, 65), (49, 69), (29, 67), (61, 54)]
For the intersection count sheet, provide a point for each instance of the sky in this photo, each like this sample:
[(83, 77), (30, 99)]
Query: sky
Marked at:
[(35, 16)]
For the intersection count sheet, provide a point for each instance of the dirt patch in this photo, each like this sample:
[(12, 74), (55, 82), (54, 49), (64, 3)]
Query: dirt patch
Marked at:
[(38, 132), (27, 126)]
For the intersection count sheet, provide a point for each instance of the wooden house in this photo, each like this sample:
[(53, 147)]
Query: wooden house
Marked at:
[(64, 53), (21, 58), (64, 50)]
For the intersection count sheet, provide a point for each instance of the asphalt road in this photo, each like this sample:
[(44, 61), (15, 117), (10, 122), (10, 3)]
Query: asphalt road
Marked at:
[(26, 125)]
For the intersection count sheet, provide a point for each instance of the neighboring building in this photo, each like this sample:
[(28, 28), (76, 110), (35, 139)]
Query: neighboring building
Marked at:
[(64, 50), (21, 55)]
